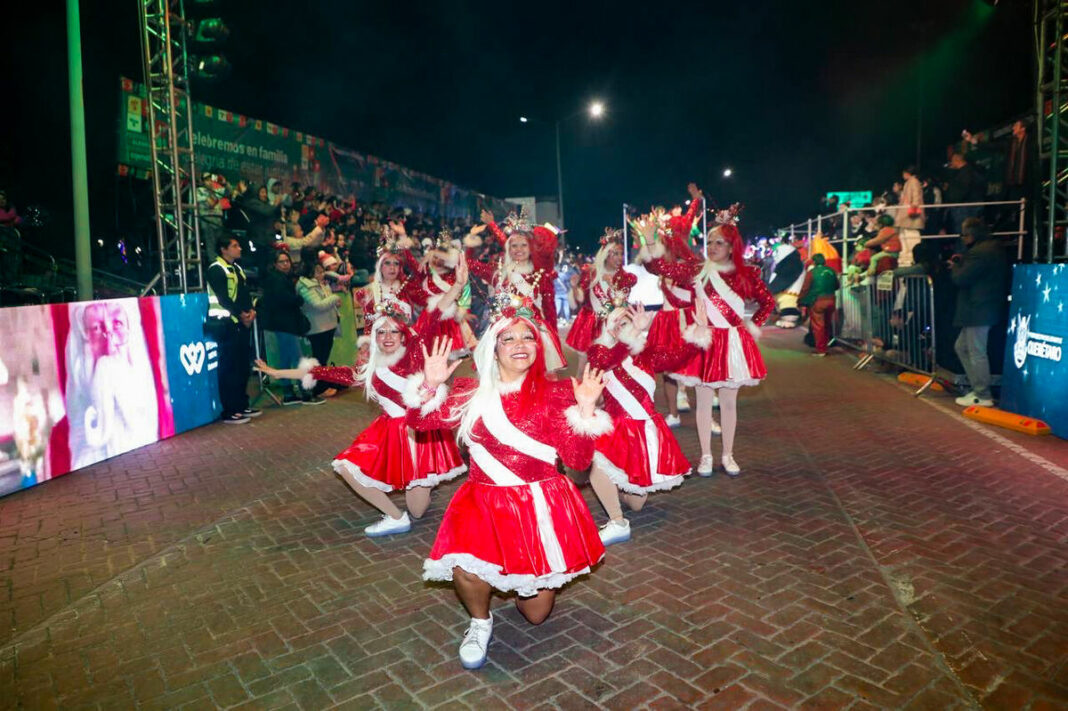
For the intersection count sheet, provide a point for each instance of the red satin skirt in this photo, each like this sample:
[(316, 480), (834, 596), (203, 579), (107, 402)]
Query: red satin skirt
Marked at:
[(430, 326), (719, 365), (665, 334), (388, 456), (624, 455), (521, 538), (585, 330)]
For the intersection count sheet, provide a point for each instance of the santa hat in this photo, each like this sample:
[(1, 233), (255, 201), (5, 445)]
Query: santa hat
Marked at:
[(328, 261)]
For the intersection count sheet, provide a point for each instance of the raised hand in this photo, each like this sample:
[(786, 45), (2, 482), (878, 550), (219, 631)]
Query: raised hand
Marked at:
[(461, 270), (694, 191), (436, 367), (398, 227), (486, 216), (260, 366), (477, 230), (588, 390), (640, 319)]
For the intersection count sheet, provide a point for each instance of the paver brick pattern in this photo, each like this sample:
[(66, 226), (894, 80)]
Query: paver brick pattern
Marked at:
[(875, 554)]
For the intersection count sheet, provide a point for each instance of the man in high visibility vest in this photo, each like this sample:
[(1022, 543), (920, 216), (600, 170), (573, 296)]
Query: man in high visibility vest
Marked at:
[(230, 317)]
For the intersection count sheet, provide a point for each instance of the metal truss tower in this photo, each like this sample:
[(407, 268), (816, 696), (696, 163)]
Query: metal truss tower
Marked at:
[(164, 32), (1051, 215)]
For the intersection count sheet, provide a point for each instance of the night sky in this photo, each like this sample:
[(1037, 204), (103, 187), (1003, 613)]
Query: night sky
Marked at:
[(796, 97)]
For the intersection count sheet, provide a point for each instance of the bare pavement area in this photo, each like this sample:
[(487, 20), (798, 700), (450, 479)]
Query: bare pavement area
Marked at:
[(878, 552)]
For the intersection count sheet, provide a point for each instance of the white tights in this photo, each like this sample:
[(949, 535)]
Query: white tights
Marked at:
[(728, 413), (417, 499)]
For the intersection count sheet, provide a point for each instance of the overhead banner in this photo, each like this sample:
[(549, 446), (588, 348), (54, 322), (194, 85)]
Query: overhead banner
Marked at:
[(1034, 381), (242, 147), (86, 381)]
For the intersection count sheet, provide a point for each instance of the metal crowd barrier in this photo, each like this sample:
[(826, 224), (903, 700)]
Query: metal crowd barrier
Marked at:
[(890, 319)]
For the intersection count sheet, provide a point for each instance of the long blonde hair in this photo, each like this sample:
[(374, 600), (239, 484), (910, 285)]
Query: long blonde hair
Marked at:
[(377, 358)]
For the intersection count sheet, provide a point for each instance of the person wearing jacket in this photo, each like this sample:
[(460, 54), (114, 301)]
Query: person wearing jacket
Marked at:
[(280, 315), (230, 318), (321, 309), (909, 218), (981, 277), (818, 294)]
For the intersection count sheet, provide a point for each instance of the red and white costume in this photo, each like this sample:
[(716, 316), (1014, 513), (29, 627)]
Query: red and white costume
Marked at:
[(425, 292), (373, 297), (602, 296), (517, 522), (389, 455), (733, 360), (533, 281), (641, 454)]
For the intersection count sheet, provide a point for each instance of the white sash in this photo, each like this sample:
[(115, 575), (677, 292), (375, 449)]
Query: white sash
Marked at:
[(440, 283), (681, 294), (640, 376), (502, 429), (595, 302), (497, 472), (397, 383), (519, 281)]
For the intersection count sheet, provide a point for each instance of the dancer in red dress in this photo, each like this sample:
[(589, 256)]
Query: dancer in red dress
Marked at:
[(604, 286), (517, 524), (724, 283), (389, 282), (526, 270), (436, 276), (389, 456), (641, 454)]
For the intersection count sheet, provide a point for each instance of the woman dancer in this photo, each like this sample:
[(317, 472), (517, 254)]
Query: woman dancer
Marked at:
[(518, 524), (723, 283), (388, 456), (525, 270), (437, 275), (640, 455), (389, 282), (604, 286)]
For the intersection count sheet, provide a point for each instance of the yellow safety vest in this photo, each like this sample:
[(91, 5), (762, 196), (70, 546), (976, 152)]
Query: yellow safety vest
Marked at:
[(234, 276)]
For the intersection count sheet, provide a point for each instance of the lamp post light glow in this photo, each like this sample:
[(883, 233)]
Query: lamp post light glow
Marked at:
[(523, 119), (596, 109), (727, 172)]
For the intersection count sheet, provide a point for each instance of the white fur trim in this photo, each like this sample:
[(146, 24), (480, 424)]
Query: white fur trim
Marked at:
[(512, 386), (362, 341), (594, 426), (344, 466), (471, 241), (650, 252), (633, 338), (698, 336), (440, 569), (605, 339), (413, 398), (443, 314), (753, 329), (730, 384), (305, 366), (435, 479), (622, 481), (405, 242)]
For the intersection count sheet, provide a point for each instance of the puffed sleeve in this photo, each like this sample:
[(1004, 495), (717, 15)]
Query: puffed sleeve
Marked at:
[(497, 232), (483, 270), (410, 262), (569, 432)]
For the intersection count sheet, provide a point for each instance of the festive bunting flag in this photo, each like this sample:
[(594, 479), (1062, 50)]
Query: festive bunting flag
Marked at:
[(207, 111), (242, 121), (127, 84), (258, 125)]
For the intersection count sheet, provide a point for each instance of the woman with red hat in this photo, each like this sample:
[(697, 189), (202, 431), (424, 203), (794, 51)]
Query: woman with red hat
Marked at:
[(517, 524), (604, 286), (525, 270), (388, 456), (723, 284)]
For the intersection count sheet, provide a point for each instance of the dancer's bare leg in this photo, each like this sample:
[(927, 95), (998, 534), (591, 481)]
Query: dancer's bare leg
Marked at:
[(537, 608), (671, 392), (418, 499), (728, 418), (634, 501), (474, 593), (376, 497), (606, 493), (704, 418)]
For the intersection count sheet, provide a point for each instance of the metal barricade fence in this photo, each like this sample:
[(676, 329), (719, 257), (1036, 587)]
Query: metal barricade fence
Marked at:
[(891, 319)]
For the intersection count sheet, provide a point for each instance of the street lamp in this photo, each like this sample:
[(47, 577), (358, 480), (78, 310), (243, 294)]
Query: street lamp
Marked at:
[(595, 111), (727, 172)]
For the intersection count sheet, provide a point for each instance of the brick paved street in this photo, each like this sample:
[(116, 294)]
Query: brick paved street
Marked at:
[(878, 552)]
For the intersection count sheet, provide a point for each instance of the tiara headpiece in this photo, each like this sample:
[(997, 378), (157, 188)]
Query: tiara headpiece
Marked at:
[(508, 305), (611, 236), (387, 241), (390, 308), (514, 223), (444, 241)]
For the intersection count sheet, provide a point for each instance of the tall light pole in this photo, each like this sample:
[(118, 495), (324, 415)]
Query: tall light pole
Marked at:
[(79, 168), (595, 111)]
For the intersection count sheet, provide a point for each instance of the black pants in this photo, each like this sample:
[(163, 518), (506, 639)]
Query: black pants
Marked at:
[(321, 345), (235, 348)]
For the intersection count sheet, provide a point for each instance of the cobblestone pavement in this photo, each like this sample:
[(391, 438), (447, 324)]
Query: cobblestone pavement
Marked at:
[(878, 552)]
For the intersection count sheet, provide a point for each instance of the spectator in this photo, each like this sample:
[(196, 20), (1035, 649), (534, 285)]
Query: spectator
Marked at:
[(981, 276), (1019, 163), (964, 185), (818, 294), (280, 315), (909, 217), (297, 242), (889, 243), (321, 309), (230, 317)]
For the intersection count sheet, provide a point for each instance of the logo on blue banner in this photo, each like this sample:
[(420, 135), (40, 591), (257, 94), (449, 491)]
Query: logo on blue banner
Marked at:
[(191, 361)]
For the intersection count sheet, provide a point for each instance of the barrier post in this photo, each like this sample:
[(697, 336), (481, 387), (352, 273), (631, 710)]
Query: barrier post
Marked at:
[(1020, 227), (845, 237)]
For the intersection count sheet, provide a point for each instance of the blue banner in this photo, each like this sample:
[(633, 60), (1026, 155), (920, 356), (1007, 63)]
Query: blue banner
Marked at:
[(1034, 381), (192, 358)]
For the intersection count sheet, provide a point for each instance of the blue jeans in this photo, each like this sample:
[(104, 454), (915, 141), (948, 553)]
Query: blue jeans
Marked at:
[(288, 352), (563, 307)]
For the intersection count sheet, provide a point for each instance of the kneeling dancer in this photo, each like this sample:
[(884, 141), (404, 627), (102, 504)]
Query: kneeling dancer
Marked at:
[(517, 524)]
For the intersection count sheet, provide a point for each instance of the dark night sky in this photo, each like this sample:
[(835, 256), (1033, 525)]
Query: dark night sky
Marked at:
[(797, 97)]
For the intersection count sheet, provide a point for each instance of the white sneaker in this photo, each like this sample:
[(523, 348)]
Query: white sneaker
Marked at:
[(730, 466), (389, 525), (615, 532), (682, 401), (705, 466), (476, 640), (672, 420), (973, 400), (716, 429)]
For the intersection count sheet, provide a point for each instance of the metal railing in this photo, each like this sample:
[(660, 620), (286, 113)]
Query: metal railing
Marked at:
[(811, 227), (890, 318)]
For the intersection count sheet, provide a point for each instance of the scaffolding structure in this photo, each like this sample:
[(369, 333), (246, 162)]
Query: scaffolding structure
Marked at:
[(1051, 217), (164, 31)]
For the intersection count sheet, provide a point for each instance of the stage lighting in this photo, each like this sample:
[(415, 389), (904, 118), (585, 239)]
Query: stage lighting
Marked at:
[(211, 68), (211, 30)]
